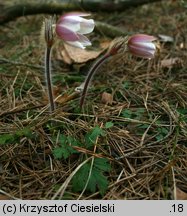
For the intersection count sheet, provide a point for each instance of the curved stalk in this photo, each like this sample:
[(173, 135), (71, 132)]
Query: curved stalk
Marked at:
[(91, 73), (118, 45), (48, 77)]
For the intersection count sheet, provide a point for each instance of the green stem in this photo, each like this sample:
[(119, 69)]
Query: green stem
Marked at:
[(48, 77)]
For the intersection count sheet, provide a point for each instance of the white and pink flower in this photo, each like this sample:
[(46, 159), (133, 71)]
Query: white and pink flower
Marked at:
[(142, 45), (72, 27)]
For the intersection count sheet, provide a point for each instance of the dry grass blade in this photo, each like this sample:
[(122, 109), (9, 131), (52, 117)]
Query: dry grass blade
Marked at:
[(8, 196), (59, 194)]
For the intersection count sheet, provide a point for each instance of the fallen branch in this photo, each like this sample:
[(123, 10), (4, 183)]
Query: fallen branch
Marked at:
[(109, 30), (11, 9)]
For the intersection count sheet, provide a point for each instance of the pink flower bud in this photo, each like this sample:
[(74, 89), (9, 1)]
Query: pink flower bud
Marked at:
[(71, 28), (142, 45)]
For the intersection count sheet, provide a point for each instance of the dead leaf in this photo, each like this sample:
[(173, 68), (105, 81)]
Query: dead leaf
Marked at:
[(66, 58), (107, 98), (182, 45), (180, 195), (172, 62), (4, 197), (62, 99), (70, 54), (57, 90)]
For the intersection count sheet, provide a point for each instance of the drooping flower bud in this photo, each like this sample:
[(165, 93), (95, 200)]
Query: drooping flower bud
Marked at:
[(48, 30), (142, 45), (71, 28)]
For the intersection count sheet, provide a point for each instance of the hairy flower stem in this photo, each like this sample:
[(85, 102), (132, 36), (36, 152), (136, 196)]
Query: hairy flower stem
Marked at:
[(48, 77), (91, 73), (118, 45), (49, 36)]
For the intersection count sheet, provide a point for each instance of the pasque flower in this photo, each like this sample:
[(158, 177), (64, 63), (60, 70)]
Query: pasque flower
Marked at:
[(142, 45), (72, 28), (139, 45)]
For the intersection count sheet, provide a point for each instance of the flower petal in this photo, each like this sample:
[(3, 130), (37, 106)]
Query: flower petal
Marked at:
[(84, 40), (65, 33), (141, 45), (71, 22), (142, 51), (72, 26), (86, 26), (145, 45), (78, 24), (141, 38), (76, 44)]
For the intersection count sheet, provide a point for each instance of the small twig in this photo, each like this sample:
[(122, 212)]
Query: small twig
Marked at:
[(9, 195), (8, 61), (14, 111), (174, 184), (62, 103), (146, 131)]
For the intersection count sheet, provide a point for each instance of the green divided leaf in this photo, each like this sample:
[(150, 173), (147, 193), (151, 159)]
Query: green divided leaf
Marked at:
[(102, 164), (183, 114), (91, 137), (66, 147), (109, 125), (97, 178), (162, 132), (24, 132), (80, 178), (135, 114), (14, 137), (67, 142), (6, 139), (126, 113), (126, 85)]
